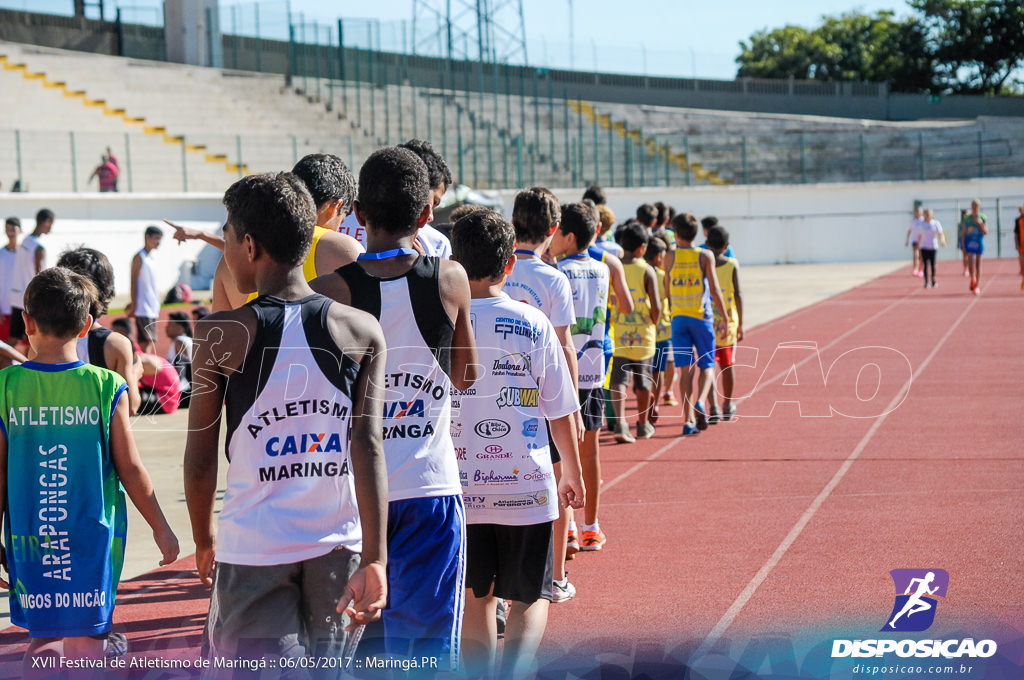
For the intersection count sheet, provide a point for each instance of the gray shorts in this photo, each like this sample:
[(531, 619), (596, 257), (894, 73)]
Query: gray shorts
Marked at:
[(285, 610), (640, 369)]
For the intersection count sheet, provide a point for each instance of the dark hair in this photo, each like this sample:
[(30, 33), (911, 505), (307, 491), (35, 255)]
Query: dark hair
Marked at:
[(483, 242), (655, 247), (595, 194), (122, 325), (708, 222), (394, 187), (276, 211), (438, 172), (327, 178), (44, 215), (579, 220), (59, 300), (93, 265), (662, 212), (533, 213), (718, 238), (671, 213), (647, 215), (154, 231), (685, 226), (13, 220), (183, 320), (462, 211), (200, 312), (632, 236)]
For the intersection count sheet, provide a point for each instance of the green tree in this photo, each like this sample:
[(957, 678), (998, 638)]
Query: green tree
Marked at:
[(977, 44), (850, 47)]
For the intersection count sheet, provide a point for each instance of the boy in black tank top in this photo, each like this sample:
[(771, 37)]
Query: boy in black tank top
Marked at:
[(102, 347), (293, 574), (423, 306)]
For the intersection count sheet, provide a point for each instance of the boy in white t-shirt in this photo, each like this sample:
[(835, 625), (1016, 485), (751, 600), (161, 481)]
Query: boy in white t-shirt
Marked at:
[(508, 481)]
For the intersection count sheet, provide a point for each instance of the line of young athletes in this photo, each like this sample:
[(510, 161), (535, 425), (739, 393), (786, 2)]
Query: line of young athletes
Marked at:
[(405, 439)]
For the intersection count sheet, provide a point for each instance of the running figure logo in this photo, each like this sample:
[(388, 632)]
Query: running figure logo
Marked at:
[(916, 591)]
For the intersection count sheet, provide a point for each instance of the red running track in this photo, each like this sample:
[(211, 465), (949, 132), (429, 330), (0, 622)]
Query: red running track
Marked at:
[(881, 429)]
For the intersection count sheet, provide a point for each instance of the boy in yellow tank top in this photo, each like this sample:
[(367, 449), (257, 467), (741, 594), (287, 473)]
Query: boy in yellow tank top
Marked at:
[(662, 367), (729, 330), (635, 335), (690, 283)]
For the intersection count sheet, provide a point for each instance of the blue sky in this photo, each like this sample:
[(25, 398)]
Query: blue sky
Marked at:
[(659, 37)]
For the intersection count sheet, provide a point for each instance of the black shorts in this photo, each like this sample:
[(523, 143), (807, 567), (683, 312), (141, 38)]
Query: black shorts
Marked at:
[(592, 408), (518, 560), (145, 329), (17, 326)]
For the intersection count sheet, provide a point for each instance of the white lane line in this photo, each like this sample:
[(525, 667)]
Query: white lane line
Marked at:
[(663, 450), (748, 592)]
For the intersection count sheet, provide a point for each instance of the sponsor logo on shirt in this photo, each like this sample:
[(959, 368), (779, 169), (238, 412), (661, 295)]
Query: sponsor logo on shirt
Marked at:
[(490, 429), (297, 409), (530, 427), (526, 397), (506, 326), (304, 443), (516, 364), (538, 475), (496, 478), (493, 452)]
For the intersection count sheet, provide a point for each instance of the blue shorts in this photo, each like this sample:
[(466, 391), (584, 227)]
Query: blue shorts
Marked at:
[(662, 353), (688, 334), (426, 578), (974, 246)]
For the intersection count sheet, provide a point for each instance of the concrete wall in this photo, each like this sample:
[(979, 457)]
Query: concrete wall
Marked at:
[(768, 225), (114, 225), (849, 222)]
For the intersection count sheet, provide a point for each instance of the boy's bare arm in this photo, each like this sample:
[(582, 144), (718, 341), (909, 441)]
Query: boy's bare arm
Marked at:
[(618, 277), (654, 300), (134, 299), (564, 335), (455, 295), (182, 234), (335, 250), (571, 492), (333, 286), (670, 259), (137, 484), (220, 345), (707, 263), (367, 589), (226, 295), (739, 300), (120, 357)]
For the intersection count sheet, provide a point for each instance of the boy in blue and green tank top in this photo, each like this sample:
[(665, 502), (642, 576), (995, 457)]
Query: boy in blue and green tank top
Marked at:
[(65, 453)]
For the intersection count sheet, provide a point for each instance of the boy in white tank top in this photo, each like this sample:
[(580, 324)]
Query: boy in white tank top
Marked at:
[(293, 577), (423, 306)]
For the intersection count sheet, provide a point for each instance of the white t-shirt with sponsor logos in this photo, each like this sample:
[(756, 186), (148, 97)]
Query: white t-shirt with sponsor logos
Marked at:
[(540, 285), (589, 281), (497, 425)]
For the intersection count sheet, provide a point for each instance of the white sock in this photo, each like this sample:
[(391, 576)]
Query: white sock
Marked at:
[(596, 526), (572, 526)]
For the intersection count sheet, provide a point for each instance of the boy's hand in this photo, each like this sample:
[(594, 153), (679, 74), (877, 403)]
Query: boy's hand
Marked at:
[(168, 544), (3, 563), (367, 592), (204, 562), (570, 491), (182, 234)]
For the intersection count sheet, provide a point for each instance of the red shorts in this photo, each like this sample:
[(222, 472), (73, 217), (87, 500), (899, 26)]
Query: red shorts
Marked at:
[(5, 327), (724, 355)]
